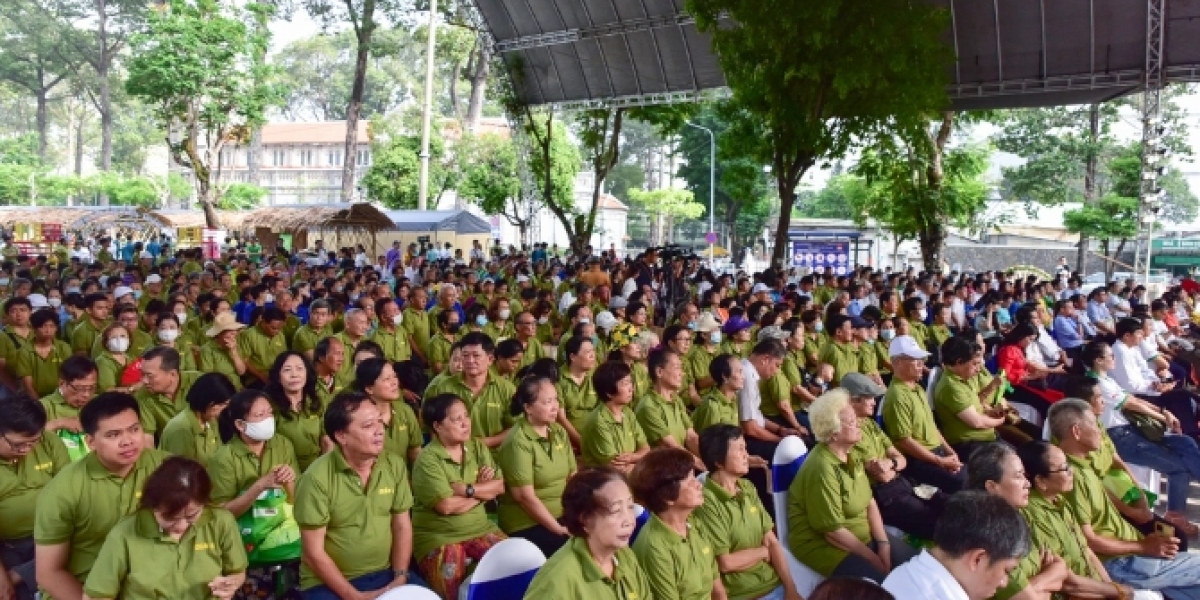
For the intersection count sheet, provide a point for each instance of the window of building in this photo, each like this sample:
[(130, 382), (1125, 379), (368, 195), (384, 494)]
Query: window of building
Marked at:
[(306, 158), (277, 158), (335, 158), (363, 158)]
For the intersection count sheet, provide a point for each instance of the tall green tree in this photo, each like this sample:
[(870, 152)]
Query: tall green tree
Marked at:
[(553, 163), (821, 75), (318, 73), (491, 180), (834, 201), (364, 17), (920, 186), (664, 206), (197, 64), (1114, 216), (30, 61)]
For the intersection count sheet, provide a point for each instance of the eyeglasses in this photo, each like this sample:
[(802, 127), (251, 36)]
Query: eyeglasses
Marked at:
[(1066, 469), (91, 389), (22, 446)]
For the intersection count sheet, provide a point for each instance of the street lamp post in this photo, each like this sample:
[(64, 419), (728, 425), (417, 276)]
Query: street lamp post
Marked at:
[(427, 110), (712, 188)]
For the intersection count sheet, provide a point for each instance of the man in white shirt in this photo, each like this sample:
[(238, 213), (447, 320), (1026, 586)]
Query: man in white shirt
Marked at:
[(761, 435), (1136, 377), (978, 541)]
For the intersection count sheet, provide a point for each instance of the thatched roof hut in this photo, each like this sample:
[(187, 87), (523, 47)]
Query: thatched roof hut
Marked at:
[(137, 222), (231, 220), (348, 223)]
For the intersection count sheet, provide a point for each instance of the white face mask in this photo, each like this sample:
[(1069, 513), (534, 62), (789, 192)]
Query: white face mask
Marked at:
[(397, 319), (182, 317), (924, 314), (585, 321), (270, 298), (504, 314), (262, 430), (118, 344), (168, 335), (887, 334), (54, 302), (543, 320)]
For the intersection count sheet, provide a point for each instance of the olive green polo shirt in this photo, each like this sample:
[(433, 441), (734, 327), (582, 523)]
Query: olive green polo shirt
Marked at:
[(304, 429), (57, 408), (715, 409), (951, 396), (403, 432), (534, 350), (394, 343), (882, 358), (813, 342), (44, 371), (1090, 505), (573, 573), (919, 332), (326, 390), (187, 353), (11, 343), (108, 371), (139, 562), (305, 339), (695, 362), (906, 414), (489, 408), (676, 566), (738, 349), (577, 399), (1052, 525), (23, 480), (826, 495), (158, 409), (793, 367), (345, 376), (542, 462), (416, 323), (81, 505), (774, 391), (85, 335), (641, 382), (843, 357), (874, 443), (733, 522), (868, 361), (604, 438), (184, 435), (234, 467), (497, 333), (938, 334), (440, 348), (258, 350), (660, 417), (432, 474), (1018, 579), (357, 518), (214, 358)]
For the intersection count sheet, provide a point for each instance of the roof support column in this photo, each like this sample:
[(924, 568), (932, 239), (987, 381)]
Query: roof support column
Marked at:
[(1150, 200)]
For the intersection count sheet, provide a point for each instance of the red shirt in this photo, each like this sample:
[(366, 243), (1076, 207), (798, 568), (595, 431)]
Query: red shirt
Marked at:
[(1011, 359)]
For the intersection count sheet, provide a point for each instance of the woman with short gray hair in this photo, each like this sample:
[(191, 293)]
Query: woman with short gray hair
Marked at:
[(834, 524)]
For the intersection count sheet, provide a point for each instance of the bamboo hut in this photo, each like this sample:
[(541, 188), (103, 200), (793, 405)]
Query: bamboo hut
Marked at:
[(340, 225), (231, 220), (88, 221)]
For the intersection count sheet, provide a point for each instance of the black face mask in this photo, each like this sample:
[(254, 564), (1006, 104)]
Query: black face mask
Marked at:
[(453, 328)]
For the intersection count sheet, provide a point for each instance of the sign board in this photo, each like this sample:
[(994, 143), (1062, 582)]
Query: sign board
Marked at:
[(820, 254), (495, 222), (190, 237), (711, 238), (422, 239), (211, 241), (1177, 244)]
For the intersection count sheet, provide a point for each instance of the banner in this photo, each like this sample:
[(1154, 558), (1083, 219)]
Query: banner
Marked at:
[(819, 254)]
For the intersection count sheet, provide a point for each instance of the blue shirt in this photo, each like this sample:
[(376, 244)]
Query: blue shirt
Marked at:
[(154, 249), (855, 308), (1066, 332), (462, 314), (1097, 312)]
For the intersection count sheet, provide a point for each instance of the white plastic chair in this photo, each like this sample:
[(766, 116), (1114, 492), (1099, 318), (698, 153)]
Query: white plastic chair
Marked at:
[(789, 455), (506, 571), (1027, 412), (640, 516), (410, 592)]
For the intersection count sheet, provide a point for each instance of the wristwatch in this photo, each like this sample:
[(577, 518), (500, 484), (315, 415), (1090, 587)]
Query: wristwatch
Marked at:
[(470, 491), (398, 573)]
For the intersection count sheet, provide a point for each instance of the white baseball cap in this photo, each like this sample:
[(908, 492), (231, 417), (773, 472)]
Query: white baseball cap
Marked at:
[(37, 301), (905, 345), (760, 288), (122, 291), (154, 279)]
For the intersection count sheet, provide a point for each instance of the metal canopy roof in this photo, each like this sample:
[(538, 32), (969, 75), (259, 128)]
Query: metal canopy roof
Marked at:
[(1011, 53)]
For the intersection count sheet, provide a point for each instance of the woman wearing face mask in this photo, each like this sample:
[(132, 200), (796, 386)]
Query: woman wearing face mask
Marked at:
[(476, 318), (170, 334), (499, 326), (705, 346), (140, 559), (441, 344), (545, 328), (112, 361), (292, 388), (814, 336), (191, 327), (253, 459)]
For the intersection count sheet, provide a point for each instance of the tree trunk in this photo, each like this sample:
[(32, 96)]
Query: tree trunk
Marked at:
[(354, 108), (933, 237), (42, 124), (105, 91), (79, 147), (479, 79), (254, 158), (787, 198), (1089, 184)]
